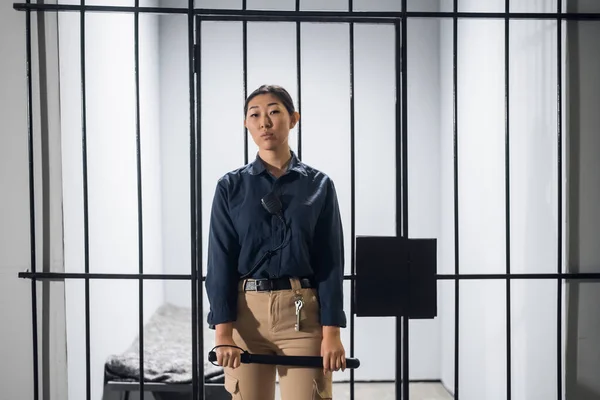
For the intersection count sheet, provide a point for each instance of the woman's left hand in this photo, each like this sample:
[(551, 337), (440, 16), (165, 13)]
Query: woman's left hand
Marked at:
[(332, 350)]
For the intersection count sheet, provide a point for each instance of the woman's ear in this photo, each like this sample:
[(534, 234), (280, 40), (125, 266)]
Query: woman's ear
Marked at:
[(294, 119)]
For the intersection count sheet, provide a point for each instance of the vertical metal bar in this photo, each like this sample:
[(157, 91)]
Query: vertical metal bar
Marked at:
[(399, 116), (299, 77), (33, 252), (352, 199), (200, 296), (88, 379), (45, 164), (507, 193), (245, 73), (136, 29), (405, 320), (456, 230), (559, 374), (195, 207), (404, 85)]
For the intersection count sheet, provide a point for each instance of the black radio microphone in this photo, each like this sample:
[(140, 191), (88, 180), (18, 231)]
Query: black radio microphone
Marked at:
[(273, 205)]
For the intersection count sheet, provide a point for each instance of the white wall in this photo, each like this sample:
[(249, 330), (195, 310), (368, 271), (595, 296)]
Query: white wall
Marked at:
[(583, 321), (112, 183), (325, 126), (481, 189), (16, 377), (481, 193), (174, 115), (423, 74), (446, 237)]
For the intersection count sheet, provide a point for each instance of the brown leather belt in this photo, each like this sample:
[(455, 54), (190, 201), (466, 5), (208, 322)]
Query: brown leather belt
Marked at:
[(263, 285)]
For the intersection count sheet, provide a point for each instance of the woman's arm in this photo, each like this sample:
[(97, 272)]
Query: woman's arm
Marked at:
[(222, 277), (328, 259), (223, 250)]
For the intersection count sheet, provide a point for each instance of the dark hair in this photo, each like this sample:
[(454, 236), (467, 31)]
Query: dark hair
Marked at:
[(275, 90)]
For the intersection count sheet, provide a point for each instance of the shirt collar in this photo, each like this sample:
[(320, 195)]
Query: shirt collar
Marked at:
[(257, 167)]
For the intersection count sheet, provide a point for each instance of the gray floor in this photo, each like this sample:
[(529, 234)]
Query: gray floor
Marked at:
[(386, 391), (341, 391)]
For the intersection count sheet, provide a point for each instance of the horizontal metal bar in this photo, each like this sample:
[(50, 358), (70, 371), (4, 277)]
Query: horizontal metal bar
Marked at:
[(450, 277), (573, 276), (298, 18), (372, 16), (91, 8), (321, 16), (59, 276)]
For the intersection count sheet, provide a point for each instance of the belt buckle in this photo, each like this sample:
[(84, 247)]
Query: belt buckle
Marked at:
[(250, 286), (261, 285)]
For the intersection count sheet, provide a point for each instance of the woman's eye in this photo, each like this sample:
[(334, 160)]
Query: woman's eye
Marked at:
[(253, 115), (275, 112)]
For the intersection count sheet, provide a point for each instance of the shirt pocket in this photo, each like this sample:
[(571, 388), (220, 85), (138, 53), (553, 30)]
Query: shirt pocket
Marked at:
[(303, 218)]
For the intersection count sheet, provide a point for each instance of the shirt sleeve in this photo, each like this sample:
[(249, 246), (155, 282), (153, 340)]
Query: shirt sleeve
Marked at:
[(328, 259), (222, 259)]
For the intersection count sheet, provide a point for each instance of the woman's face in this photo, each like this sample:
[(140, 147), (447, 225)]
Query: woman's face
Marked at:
[(269, 122)]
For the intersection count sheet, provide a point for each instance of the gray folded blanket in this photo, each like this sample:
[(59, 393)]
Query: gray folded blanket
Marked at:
[(167, 351)]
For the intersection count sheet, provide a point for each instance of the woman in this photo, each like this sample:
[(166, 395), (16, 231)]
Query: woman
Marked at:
[(276, 262)]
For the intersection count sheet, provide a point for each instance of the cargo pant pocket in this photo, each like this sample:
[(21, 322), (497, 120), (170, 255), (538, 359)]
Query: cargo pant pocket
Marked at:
[(321, 391), (232, 386)]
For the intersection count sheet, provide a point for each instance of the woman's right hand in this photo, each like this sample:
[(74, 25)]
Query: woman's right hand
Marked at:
[(227, 356)]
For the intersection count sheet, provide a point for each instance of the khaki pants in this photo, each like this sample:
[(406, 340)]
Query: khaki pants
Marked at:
[(265, 325)]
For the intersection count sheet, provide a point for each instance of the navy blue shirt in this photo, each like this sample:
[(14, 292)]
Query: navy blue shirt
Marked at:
[(241, 231)]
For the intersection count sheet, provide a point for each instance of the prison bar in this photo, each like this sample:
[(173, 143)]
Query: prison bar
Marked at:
[(352, 194), (33, 244), (299, 77), (245, 73), (88, 379), (56, 276), (136, 41), (195, 108), (239, 18), (455, 189), (398, 207), (302, 15), (507, 195), (559, 218), (401, 72), (61, 276)]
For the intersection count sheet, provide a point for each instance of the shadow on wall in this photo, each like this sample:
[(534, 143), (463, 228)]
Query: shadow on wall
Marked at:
[(582, 361)]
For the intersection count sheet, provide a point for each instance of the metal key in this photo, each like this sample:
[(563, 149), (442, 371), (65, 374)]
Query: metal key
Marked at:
[(299, 303)]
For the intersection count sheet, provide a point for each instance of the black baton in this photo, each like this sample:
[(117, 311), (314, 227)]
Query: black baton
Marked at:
[(295, 361)]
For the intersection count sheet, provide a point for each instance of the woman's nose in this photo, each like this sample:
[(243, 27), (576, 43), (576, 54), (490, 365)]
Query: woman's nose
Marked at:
[(266, 122)]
